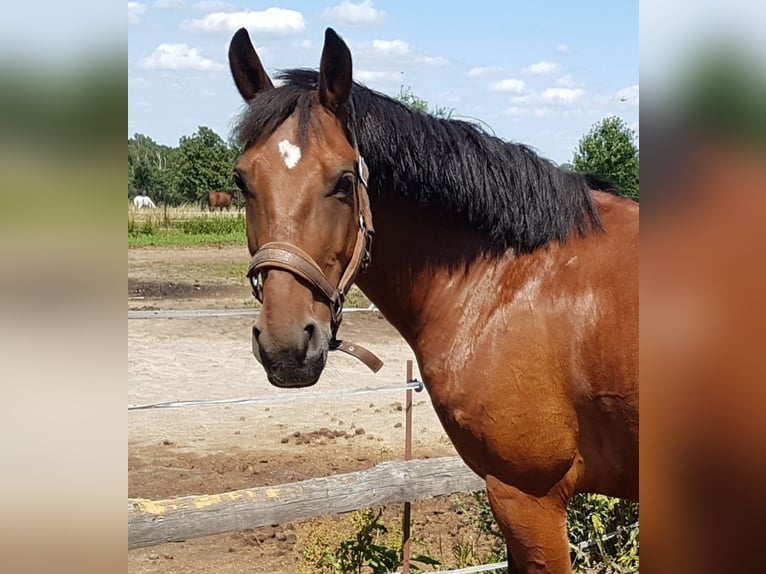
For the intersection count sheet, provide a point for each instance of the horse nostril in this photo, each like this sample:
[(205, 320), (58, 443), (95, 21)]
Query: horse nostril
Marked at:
[(309, 330), (256, 332)]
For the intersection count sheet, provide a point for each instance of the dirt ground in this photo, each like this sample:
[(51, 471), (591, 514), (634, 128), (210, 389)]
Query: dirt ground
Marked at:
[(213, 449)]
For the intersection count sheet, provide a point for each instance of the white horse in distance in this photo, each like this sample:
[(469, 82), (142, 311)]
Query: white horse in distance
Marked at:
[(142, 201)]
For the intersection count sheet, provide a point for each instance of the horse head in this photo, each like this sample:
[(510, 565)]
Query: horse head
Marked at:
[(300, 175)]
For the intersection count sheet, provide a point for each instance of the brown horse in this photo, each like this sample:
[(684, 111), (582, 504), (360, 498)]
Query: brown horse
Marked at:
[(219, 199), (514, 282)]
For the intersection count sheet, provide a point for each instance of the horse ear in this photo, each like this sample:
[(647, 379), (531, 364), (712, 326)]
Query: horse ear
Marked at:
[(246, 67), (334, 72)]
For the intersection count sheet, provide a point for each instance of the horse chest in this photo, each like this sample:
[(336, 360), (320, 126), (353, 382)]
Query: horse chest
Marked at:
[(496, 434)]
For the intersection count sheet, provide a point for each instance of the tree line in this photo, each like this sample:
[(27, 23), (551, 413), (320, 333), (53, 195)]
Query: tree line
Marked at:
[(200, 163), (204, 162)]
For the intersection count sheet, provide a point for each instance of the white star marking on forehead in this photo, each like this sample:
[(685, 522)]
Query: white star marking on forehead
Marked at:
[(291, 153)]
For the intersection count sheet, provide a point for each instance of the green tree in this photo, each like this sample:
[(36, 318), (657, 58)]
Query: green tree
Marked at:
[(150, 168), (608, 150), (408, 98), (204, 163), (143, 177)]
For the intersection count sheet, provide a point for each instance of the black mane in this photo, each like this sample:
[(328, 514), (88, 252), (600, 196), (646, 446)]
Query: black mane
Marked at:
[(518, 198)]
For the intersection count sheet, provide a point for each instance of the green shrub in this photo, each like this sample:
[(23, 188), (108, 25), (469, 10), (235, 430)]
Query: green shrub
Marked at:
[(139, 229), (370, 547), (212, 225), (184, 226), (603, 531)]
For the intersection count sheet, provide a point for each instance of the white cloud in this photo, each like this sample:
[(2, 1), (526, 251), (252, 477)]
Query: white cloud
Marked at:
[(275, 21), (135, 11), (567, 81), (349, 13), (179, 57), (525, 99), (519, 112), (540, 68), (628, 95), (167, 3), (509, 85), (391, 47), (375, 75), (483, 70), (563, 49), (212, 6), (305, 44), (562, 95), (434, 61)]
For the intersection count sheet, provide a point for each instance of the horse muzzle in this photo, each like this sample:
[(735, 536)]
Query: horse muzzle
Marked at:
[(294, 360)]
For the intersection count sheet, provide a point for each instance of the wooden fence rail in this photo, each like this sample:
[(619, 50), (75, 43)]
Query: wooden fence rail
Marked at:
[(152, 522)]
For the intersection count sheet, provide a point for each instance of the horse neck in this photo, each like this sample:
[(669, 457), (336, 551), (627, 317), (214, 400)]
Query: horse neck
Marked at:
[(420, 263)]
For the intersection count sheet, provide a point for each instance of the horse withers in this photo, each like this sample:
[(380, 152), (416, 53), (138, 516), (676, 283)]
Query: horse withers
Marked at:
[(514, 282)]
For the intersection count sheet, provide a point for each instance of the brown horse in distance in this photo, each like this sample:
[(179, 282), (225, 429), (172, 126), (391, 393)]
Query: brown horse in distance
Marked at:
[(514, 282), (219, 199)]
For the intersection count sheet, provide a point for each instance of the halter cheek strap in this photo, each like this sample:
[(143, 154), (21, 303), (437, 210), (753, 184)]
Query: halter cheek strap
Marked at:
[(289, 257)]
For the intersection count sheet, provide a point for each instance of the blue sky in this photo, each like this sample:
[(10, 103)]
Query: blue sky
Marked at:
[(539, 73)]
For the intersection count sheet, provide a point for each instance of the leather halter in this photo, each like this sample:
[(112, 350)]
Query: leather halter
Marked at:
[(289, 257)]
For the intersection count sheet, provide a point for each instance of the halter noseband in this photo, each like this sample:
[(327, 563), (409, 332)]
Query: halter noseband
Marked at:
[(289, 257)]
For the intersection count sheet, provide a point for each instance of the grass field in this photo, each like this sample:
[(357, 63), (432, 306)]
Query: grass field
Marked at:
[(184, 225)]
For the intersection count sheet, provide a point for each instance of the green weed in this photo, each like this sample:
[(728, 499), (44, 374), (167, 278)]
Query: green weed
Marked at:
[(372, 548), (603, 531)]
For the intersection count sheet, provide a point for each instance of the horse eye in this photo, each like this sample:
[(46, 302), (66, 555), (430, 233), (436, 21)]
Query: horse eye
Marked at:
[(240, 184), (345, 184)]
